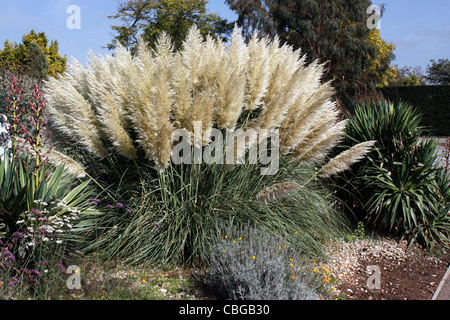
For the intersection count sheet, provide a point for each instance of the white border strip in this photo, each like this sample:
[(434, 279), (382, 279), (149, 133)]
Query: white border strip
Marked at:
[(438, 290)]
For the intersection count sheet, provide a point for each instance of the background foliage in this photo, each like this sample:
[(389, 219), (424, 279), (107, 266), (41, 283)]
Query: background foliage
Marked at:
[(18, 57), (148, 19)]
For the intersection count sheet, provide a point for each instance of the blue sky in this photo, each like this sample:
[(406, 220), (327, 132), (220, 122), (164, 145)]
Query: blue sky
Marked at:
[(419, 29)]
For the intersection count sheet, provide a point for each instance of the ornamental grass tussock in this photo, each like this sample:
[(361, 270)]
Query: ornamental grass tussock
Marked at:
[(131, 105), (121, 112)]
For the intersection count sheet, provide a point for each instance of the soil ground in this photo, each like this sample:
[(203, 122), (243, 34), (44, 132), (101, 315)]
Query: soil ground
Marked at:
[(413, 278)]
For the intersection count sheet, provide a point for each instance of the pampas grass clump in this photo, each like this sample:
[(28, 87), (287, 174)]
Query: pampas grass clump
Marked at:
[(122, 104), (122, 110)]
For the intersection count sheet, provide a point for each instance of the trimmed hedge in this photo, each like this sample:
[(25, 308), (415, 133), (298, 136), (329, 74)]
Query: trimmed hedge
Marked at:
[(432, 101)]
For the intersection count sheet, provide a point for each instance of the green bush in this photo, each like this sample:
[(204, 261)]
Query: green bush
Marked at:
[(251, 264), (396, 188)]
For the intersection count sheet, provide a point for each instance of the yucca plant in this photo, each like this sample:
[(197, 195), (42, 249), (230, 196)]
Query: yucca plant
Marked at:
[(397, 184), (18, 192), (123, 111)]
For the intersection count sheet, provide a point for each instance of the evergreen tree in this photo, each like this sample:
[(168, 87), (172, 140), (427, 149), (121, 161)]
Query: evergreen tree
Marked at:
[(37, 61), (149, 18), (332, 31), (8, 57)]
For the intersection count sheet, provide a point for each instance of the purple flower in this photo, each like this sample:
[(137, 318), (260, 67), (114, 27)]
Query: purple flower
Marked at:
[(17, 235), (26, 270), (11, 284), (129, 211), (8, 254), (36, 273), (95, 201), (14, 279), (120, 205), (109, 206), (61, 267), (37, 212), (157, 225)]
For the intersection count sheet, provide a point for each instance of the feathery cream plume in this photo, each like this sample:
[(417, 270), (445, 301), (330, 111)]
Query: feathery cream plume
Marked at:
[(103, 105), (318, 151), (71, 167), (277, 192), (347, 158)]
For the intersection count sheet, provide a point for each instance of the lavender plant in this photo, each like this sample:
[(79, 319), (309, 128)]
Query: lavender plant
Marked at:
[(252, 264)]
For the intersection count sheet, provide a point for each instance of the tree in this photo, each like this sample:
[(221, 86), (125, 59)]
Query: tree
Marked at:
[(332, 31), (410, 76), (149, 18), (439, 72), (37, 61), (8, 58), (23, 56), (385, 54)]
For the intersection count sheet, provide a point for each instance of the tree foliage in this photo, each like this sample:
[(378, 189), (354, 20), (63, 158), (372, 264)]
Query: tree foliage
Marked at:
[(26, 55), (385, 54), (149, 18), (335, 32), (439, 72), (408, 76), (38, 61)]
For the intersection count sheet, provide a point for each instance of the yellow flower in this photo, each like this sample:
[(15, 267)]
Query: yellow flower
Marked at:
[(254, 257), (143, 281), (290, 259), (242, 252), (234, 241), (240, 238)]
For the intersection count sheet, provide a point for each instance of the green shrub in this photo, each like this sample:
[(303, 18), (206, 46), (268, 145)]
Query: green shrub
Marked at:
[(251, 264), (396, 188)]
